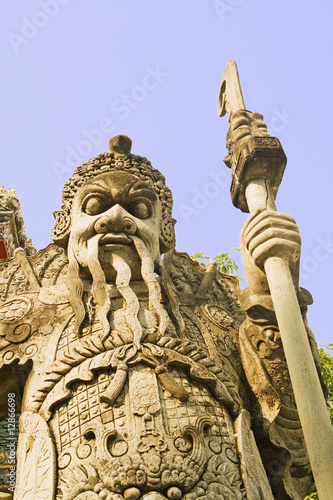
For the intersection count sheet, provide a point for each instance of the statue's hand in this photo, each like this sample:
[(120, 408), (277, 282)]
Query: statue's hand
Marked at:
[(243, 125), (269, 234)]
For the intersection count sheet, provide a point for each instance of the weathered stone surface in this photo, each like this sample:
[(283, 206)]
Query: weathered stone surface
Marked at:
[(132, 386), (12, 232)]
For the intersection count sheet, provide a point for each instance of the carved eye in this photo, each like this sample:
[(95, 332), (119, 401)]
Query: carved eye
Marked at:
[(141, 210), (94, 206)]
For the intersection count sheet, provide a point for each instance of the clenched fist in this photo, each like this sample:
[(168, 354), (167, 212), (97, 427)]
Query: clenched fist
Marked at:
[(269, 234)]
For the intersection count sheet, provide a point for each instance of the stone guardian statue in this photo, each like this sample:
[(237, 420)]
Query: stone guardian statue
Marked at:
[(142, 377)]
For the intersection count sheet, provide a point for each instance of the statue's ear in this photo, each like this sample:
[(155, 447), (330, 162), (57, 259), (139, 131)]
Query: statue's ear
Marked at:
[(167, 237), (61, 228)]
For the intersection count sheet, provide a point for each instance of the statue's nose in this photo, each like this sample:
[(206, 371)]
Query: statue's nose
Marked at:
[(115, 220)]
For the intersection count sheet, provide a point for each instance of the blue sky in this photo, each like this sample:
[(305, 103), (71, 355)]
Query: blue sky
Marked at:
[(77, 72)]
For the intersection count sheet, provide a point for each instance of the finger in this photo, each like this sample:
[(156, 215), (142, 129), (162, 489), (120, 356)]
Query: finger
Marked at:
[(269, 238), (241, 132), (258, 120), (263, 214), (239, 118), (277, 247), (270, 224)]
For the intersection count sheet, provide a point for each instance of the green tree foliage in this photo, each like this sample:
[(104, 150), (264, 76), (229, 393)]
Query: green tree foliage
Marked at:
[(326, 363), (225, 264)]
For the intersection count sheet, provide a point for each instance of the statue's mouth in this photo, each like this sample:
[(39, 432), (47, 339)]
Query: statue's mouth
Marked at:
[(115, 239)]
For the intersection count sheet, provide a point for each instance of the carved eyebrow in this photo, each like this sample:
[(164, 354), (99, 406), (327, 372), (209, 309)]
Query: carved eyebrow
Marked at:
[(102, 184), (137, 189), (96, 187), (142, 189)]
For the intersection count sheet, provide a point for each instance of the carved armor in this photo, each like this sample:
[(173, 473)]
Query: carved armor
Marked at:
[(135, 387), (100, 416)]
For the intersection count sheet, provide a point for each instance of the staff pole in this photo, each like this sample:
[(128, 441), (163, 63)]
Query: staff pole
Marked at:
[(257, 161)]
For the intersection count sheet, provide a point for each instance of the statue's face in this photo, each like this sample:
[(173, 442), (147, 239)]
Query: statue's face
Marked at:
[(116, 206)]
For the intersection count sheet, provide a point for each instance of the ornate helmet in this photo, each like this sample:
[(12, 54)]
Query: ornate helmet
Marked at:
[(119, 159)]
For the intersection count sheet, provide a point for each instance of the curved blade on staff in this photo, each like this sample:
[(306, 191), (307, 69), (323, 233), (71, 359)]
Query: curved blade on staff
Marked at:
[(230, 96), (253, 177)]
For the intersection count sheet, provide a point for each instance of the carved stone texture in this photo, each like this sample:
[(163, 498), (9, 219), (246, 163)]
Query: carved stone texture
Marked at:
[(252, 154), (12, 232), (255, 479), (132, 386)]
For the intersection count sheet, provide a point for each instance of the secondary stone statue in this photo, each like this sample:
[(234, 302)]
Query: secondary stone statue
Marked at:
[(140, 377)]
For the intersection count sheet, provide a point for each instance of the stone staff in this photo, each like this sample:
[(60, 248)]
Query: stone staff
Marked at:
[(257, 162)]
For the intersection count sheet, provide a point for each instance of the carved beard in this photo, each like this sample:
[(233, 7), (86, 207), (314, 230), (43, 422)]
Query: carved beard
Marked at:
[(131, 304)]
